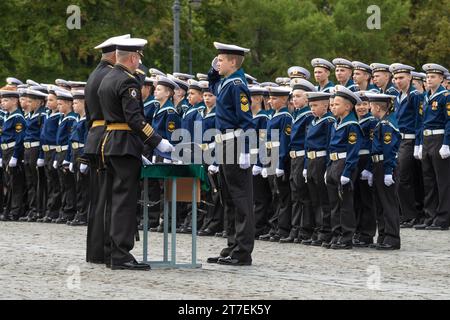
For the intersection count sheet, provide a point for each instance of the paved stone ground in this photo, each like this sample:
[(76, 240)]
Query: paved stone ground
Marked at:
[(41, 261)]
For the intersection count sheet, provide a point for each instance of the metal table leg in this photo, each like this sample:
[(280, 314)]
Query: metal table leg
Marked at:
[(174, 222), (145, 245), (194, 223)]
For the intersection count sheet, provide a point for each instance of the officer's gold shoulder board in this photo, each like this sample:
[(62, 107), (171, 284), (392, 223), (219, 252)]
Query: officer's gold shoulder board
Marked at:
[(288, 130), (387, 138), (133, 93), (352, 137), (19, 127), (171, 126), (245, 105)]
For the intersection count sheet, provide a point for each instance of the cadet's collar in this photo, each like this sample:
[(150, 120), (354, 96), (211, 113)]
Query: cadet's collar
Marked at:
[(17, 111), (168, 103), (349, 83), (262, 111), (438, 91), (71, 114), (350, 117), (200, 105), (283, 109), (304, 109), (238, 74), (367, 115)]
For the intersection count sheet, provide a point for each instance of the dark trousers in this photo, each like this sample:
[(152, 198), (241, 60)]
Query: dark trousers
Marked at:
[(214, 213), (387, 208), (35, 183), (436, 178), (2, 190), (82, 188), (68, 188), (364, 205), (284, 194), (303, 219), (15, 185), (53, 197), (156, 200), (123, 173), (319, 198), (237, 193), (408, 181), (273, 218), (262, 197), (343, 220)]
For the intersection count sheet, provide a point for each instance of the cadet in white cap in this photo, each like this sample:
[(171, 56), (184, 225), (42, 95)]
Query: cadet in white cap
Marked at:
[(13, 81), (233, 115), (183, 76), (202, 77), (362, 75), (344, 73), (345, 144), (446, 83), (62, 84), (419, 80), (436, 150), (250, 79), (322, 72), (409, 111), (382, 78), (180, 100), (298, 72)]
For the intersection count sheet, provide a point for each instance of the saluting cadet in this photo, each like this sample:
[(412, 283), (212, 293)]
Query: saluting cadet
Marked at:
[(63, 155), (13, 133), (385, 145), (364, 201), (322, 72), (316, 146), (233, 115), (418, 81), (409, 110), (34, 156), (362, 75), (78, 164), (122, 147), (48, 142), (303, 220), (345, 144), (382, 78), (262, 194), (92, 150), (279, 129), (435, 139), (344, 73)]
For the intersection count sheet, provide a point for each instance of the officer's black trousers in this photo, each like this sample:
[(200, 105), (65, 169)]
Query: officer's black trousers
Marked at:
[(343, 220), (35, 185), (303, 219), (319, 198), (123, 174), (436, 178), (364, 205), (53, 198), (68, 188), (387, 209), (237, 192), (408, 181), (262, 207), (15, 185)]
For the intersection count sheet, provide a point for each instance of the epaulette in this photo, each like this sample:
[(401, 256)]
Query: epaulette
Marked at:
[(237, 82), (129, 74)]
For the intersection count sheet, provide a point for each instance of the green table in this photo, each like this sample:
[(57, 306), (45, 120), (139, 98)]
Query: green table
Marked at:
[(172, 172)]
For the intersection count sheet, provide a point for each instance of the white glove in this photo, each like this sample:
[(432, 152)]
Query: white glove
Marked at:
[(388, 181), (264, 173), (420, 153), (279, 172), (416, 152), (365, 175), (145, 161), (213, 169), (325, 177), (370, 180), (165, 146), (65, 163), (167, 161), (1, 163), (71, 167), (13, 162), (305, 173), (256, 170), (55, 164), (214, 63), (244, 160), (344, 180), (40, 163), (444, 151), (83, 168)]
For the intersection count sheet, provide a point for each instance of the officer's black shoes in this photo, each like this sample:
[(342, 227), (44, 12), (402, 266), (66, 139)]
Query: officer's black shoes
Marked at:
[(434, 227), (287, 240), (342, 246), (275, 238), (422, 226), (307, 242), (316, 243), (205, 233), (229, 261), (131, 265), (387, 247)]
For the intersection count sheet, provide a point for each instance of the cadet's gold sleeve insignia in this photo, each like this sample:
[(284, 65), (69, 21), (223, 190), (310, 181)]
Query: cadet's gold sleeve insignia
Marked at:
[(171, 126), (245, 105), (352, 137), (288, 130), (387, 138), (19, 127)]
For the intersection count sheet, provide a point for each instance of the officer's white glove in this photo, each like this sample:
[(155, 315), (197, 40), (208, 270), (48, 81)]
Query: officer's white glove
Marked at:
[(13, 162), (213, 169), (40, 163), (1, 163), (214, 63), (264, 173), (145, 161), (344, 180), (165, 146), (167, 161), (279, 172), (83, 168), (71, 167), (444, 152), (55, 164), (244, 161), (256, 170), (388, 181)]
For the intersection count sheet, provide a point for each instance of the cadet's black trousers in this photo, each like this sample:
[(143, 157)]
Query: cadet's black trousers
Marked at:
[(15, 185), (237, 193), (53, 198), (35, 185), (68, 188), (262, 197), (436, 178), (214, 214), (123, 174), (82, 187), (388, 216)]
